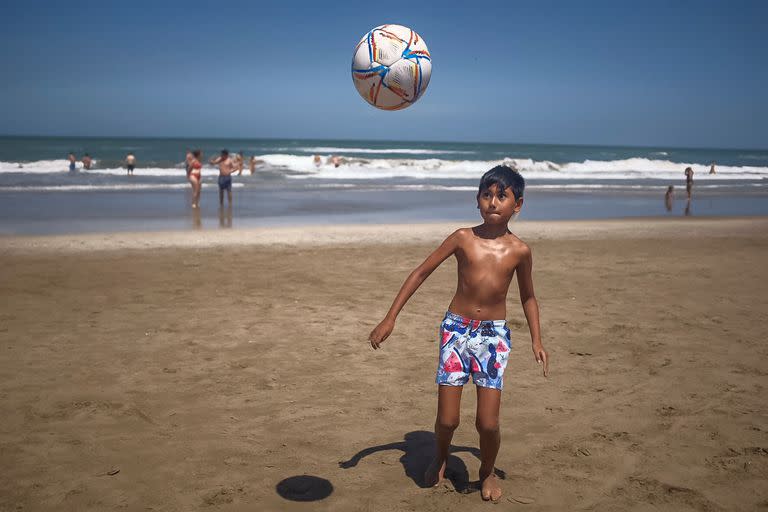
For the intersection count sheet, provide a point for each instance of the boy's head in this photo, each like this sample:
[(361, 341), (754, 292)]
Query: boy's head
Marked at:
[(505, 177), (500, 194), (224, 153)]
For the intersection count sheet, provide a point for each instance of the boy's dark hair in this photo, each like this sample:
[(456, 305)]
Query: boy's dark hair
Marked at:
[(196, 153), (504, 177), (224, 152)]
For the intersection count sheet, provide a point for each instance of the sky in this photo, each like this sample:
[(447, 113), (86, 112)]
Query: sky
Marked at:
[(650, 73)]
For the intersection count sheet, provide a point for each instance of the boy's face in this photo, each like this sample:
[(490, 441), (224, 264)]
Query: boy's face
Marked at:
[(497, 205)]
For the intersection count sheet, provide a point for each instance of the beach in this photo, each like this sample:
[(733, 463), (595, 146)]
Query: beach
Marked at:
[(204, 370)]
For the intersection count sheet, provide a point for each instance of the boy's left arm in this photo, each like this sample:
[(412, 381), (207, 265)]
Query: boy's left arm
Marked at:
[(531, 306)]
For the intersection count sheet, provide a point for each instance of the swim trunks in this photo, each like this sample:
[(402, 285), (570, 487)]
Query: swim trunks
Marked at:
[(473, 347), (129, 167), (71, 166), (225, 182)]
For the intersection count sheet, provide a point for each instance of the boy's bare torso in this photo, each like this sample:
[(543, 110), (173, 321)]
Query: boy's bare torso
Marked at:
[(485, 270), (226, 166)]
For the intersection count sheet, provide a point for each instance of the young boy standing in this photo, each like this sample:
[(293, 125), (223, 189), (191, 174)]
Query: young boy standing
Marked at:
[(474, 338)]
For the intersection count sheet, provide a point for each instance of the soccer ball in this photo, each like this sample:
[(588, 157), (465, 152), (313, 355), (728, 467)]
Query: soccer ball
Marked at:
[(391, 67)]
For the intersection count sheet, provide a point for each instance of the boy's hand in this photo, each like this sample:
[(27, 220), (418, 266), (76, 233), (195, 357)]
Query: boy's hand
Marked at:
[(541, 357), (381, 333)]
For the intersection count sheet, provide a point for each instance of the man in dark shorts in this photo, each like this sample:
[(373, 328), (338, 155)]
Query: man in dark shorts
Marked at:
[(226, 168)]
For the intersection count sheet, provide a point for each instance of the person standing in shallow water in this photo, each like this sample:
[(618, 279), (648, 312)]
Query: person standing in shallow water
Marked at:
[(474, 338), (194, 176), (669, 198), (130, 163), (689, 182), (226, 168), (72, 159)]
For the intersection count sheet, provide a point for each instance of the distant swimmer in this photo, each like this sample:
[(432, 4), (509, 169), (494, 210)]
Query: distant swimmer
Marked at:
[(226, 168), (669, 198), (130, 163), (239, 163), (87, 162), (253, 163), (72, 159), (335, 160), (689, 181), (317, 160), (712, 168)]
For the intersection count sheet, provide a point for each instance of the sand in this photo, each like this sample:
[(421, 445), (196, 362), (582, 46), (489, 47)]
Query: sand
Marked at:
[(202, 371)]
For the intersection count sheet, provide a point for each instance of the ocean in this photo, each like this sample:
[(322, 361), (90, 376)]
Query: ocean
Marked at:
[(377, 182)]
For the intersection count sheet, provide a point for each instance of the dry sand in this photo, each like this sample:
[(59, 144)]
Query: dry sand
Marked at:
[(203, 373)]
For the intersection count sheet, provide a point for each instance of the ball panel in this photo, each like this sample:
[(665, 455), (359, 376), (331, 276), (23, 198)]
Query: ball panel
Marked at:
[(361, 58), (387, 99), (425, 73), (403, 79), (387, 48)]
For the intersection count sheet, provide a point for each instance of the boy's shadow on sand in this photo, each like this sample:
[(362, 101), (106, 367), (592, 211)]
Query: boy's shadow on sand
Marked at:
[(418, 450)]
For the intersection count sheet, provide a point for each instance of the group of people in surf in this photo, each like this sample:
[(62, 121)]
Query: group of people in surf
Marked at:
[(228, 165), (87, 161)]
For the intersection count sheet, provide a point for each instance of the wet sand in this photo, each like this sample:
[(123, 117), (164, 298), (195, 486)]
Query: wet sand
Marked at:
[(201, 371)]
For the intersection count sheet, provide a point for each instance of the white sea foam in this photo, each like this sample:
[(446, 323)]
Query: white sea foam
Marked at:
[(302, 166), (102, 187), (404, 151)]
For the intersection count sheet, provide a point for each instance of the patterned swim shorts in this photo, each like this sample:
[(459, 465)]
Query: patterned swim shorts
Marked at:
[(473, 347)]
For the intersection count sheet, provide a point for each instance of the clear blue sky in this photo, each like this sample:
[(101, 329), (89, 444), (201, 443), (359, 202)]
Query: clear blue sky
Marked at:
[(671, 73)]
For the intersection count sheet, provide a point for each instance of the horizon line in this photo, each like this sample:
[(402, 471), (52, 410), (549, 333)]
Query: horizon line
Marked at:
[(177, 137)]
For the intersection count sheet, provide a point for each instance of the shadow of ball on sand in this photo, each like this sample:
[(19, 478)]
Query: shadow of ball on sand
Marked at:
[(304, 488)]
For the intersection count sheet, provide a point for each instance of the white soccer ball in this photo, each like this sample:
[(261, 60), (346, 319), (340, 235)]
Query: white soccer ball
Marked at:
[(391, 67)]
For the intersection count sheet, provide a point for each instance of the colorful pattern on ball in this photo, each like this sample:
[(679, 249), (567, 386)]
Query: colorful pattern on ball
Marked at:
[(391, 67)]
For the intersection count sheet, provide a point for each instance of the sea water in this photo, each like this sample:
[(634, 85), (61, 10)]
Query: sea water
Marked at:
[(376, 182)]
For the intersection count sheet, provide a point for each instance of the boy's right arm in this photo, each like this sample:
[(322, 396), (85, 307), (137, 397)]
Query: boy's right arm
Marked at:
[(418, 276)]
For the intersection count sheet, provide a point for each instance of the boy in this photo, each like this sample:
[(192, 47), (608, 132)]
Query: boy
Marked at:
[(473, 338), (226, 168), (87, 161)]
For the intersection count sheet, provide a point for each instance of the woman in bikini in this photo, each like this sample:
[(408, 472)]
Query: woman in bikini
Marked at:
[(195, 176)]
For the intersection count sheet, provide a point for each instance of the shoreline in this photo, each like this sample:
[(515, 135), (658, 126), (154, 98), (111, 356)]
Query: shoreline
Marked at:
[(385, 234)]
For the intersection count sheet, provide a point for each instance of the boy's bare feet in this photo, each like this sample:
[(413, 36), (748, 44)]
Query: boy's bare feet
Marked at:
[(490, 489), (435, 473)]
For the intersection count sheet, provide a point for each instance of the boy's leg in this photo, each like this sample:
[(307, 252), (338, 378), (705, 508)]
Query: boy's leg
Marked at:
[(448, 410), (487, 423), (221, 196), (229, 196)]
